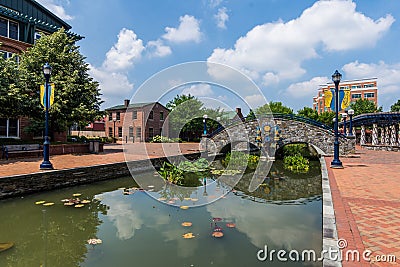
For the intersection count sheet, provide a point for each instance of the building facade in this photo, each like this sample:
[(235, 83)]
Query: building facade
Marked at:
[(22, 22), (138, 122), (356, 89)]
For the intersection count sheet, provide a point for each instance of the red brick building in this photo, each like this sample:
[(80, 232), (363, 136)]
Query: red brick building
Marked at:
[(22, 22), (136, 122), (359, 89)]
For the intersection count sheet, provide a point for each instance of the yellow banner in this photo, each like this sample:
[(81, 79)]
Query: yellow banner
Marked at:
[(43, 95), (346, 99), (328, 97)]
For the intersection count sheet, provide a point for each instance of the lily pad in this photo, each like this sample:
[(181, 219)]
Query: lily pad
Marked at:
[(231, 225), (5, 246), (85, 201), (79, 206), (216, 219), (40, 202), (48, 204), (68, 204), (217, 234), (187, 198), (162, 199), (186, 224), (188, 236), (76, 194), (195, 199), (184, 207)]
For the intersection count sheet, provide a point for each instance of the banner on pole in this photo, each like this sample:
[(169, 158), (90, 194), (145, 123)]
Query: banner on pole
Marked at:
[(43, 96)]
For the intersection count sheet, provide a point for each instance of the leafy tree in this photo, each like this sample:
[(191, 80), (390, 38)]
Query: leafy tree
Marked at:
[(362, 106), (327, 118), (308, 112), (395, 107), (251, 116), (77, 95), (186, 117), (274, 107), (9, 81)]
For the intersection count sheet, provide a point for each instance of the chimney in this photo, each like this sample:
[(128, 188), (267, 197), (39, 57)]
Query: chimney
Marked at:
[(126, 102), (239, 113)]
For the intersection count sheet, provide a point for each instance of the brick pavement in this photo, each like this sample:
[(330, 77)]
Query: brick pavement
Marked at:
[(366, 198), (111, 154)]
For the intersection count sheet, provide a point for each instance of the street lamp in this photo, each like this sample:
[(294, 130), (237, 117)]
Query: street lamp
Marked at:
[(344, 116), (114, 120), (351, 113), (205, 124), (336, 163), (46, 164)]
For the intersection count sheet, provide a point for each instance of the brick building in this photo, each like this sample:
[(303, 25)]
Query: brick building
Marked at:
[(358, 89), (142, 121), (22, 22)]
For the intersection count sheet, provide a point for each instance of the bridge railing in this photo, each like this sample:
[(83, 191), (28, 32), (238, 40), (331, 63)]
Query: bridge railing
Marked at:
[(277, 116)]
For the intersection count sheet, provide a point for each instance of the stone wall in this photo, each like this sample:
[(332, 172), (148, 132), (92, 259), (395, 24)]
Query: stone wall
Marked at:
[(18, 185)]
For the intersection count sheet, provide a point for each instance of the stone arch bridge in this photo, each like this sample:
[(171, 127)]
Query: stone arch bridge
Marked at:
[(279, 130)]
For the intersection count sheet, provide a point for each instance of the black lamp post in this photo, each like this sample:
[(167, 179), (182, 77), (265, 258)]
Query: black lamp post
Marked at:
[(205, 124), (351, 113), (336, 163), (344, 116), (46, 164)]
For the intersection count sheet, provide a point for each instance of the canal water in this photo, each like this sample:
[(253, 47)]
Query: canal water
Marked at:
[(137, 230)]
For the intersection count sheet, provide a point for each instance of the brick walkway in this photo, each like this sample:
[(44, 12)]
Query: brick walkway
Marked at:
[(111, 154), (366, 198)]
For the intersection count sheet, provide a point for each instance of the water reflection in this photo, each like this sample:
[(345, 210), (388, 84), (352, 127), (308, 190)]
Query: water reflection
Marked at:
[(139, 230)]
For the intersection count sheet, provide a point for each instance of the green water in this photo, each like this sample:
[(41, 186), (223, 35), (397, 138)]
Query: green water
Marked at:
[(137, 230)]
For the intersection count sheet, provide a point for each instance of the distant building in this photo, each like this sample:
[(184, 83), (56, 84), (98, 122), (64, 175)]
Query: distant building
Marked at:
[(22, 22), (142, 121), (354, 90)]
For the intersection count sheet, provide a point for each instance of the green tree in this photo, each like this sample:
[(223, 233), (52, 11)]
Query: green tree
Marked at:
[(326, 118), (77, 95), (178, 99), (9, 82), (251, 116), (362, 106), (274, 107), (395, 107), (308, 112)]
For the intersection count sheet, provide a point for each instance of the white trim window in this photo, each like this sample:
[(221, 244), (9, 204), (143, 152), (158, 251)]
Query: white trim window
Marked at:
[(7, 55), (9, 28), (9, 127)]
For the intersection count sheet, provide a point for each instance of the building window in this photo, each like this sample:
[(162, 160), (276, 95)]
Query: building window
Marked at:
[(139, 132), (161, 116), (118, 116), (110, 117), (356, 96), (369, 85), (151, 115), (134, 115), (9, 29), (130, 132), (8, 127), (120, 132), (369, 95), (356, 86), (7, 55), (110, 132), (151, 132), (344, 87)]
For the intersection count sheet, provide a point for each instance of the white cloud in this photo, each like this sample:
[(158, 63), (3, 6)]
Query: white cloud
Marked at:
[(388, 75), (281, 47), (57, 9), (270, 78), (187, 31), (215, 3), (222, 17), (158, 49), (112, 84), (255, 100), (198, 90), (306, 88), (123, 54)]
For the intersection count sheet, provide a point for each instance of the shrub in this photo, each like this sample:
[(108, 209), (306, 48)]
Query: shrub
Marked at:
[(296, 163)]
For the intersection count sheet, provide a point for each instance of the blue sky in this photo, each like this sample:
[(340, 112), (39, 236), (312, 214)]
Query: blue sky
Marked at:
[(286, 47)]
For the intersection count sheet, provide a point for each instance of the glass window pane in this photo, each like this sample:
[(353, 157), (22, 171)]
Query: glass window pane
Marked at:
[(3, 27), (138, 132), (3, 127), (119, 131), (13, 33), (13, 127)]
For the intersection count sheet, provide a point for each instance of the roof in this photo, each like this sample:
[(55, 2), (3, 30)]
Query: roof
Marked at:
[(134, 105)]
